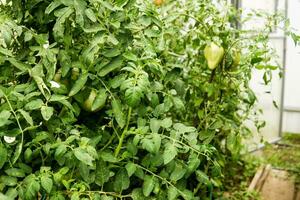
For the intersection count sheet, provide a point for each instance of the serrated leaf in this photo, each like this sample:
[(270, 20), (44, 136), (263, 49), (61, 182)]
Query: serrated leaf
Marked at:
[(133, 96), (102, 173), (130, 56), (52, 6), (79, 83), (26, 116), (130, 167), (46, 183), (155, 125), (3, 155), (202, 177), (8, 180), (17, 152), (137, 194), (4, 117), (15, 172), (121, 181), (108, 157), (34, 105), (118, 112), (100, 100), (113, 65), (83, 156), (172, 193), (47, 112), (178, 173), (19, 65), (32, 189), (90, 14), (166, 123), (148, 185), (170, 153)]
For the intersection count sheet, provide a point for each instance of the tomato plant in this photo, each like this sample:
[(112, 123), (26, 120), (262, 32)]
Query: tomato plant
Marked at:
[(116, 99)]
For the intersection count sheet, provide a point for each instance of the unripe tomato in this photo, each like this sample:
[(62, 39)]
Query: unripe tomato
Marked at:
[(92, 100), (75, 73), (158, 2), (57, 76), (213, 55), (88, 103)]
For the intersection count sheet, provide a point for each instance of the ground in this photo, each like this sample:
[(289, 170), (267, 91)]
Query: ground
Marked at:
[(282, 182)]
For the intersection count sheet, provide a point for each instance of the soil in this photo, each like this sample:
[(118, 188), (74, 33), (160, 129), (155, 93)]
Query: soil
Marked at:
[(283, 182)]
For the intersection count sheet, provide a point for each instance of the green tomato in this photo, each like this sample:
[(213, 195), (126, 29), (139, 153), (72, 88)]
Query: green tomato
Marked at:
[(213, 55), (57, 76), (95, 100), (88, 103), (75, 73)]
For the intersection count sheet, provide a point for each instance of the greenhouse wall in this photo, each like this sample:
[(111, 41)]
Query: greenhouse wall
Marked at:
[(285, 92), (291, 115)]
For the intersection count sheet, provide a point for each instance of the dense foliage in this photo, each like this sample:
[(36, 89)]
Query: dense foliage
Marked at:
[(114, 99)]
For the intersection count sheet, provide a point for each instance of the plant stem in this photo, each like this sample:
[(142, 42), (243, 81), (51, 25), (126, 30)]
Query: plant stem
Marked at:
[(20, 127), (123, 134)]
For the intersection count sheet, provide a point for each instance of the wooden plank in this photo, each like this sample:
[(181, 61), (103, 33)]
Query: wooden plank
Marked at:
[(278, 186), (256, 178)]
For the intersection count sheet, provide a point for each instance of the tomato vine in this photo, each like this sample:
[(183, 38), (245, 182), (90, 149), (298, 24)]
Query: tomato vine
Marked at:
[(114, 99)]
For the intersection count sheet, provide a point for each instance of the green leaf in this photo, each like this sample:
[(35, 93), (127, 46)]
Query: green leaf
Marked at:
[(130, 56), (15, 172), (166, 123), (26, 116), (187, 194), (47, 112), (105, 197), (78, 85), (108, 157), (130, 167), (8, 180), (172, 193), (83, 156), (110, 53), (133, 96), (178, 173), (102, 173), (121, 181), (46, 183), (63, 14), (4, 117), (17, 152), (170, 153), (155, 125), (52, 6), (75, 196), (19, 65), (148, 185), (137, 194), (100, 100), (63, 100), (34, 105), (113, 65), (152, 144), (79, 6), (90, 14), (3, 155), (118, 112), (32, 189), (181, 128), (202, 177)]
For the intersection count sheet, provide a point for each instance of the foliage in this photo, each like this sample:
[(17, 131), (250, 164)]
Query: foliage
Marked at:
[(113, 99)]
